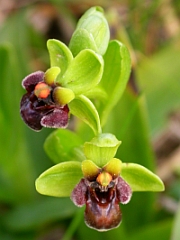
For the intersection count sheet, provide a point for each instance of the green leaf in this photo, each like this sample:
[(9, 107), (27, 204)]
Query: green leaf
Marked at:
[(155, 230), (63, 145), (16, 172), (84, 72), (84, 109), (59, 180), (117, 66), (33, 215), (167, 86), (176, 229), (140, 178), (94, 23), (60, 55)]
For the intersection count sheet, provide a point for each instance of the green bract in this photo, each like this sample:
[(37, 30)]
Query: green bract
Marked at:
[(117, 66), (84, 109), (64, 145), (92, 32)]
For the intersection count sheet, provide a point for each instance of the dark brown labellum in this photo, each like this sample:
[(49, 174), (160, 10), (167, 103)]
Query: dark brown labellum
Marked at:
[(102, 202)]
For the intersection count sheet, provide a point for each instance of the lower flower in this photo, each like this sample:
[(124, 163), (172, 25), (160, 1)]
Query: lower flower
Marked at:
[(102, 201)]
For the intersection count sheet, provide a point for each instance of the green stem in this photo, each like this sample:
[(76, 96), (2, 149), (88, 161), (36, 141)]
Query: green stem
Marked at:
[(73, 225)]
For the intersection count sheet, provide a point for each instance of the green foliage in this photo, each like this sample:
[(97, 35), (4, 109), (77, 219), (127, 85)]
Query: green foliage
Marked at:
[(63, 145), (117, 65)]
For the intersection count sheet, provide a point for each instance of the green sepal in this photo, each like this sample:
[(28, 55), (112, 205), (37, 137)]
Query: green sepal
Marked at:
[(94, 22), (63, 96), (59, 180), (84, 109), (117, 65), (51, 75), (113, 167), (84, 72), (82, 39), (101, 149), (90, 170), (140, 178), (60, 55), (64, 145)]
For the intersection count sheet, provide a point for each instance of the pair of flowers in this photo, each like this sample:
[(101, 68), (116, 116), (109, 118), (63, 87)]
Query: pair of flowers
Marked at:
[(100, 181), (101, 189)]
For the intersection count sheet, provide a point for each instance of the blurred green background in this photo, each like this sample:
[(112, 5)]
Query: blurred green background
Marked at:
[(147, 118)]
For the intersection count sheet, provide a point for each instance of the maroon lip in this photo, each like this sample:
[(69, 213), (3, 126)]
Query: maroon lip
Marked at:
[(102, 203)]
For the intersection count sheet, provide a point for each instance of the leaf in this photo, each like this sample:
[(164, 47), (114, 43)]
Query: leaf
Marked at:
[(176, 229), (140, 178), (96, 32), (59, 180), (16, 173), (60, 55), (117, 66), (84, 72), (156, 230), (152, 79), (63, 145), (84, 109), (34, 215)]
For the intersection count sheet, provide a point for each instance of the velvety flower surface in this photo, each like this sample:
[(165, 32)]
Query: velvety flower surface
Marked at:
[(38, 108), (102, 201)]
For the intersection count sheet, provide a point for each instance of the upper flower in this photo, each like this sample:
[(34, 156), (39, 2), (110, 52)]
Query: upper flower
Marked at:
[(46, 102), (39, 107)]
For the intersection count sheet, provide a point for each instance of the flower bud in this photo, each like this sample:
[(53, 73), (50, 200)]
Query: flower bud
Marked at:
[(92, 32)]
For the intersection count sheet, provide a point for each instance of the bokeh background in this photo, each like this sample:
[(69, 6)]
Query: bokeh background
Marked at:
[(147, 118)]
